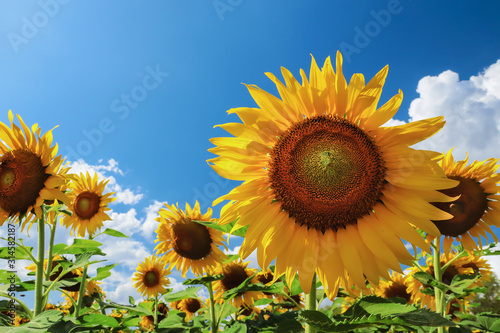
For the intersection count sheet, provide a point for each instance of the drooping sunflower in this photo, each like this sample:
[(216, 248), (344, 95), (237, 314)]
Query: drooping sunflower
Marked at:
[(478, 204), (30, 172), (397, 286), (188, 305), (235, 273), (188, 245), (151, 276), (88, 204), (324, 183)]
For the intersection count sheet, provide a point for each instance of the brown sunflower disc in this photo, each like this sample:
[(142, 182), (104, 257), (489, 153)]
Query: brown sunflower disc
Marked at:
[(326, 172), (466, 210)]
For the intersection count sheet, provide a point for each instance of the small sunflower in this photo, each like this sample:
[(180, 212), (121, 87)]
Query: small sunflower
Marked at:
[(57, 270), (236, 273), (465, 265), (286, 304), (397, 286), (30, 172), (247, 311), (477, 206), (91, 289), (324, 182), (188, 305), (147, 322), (88, 204), (151, 276), (187, 244)]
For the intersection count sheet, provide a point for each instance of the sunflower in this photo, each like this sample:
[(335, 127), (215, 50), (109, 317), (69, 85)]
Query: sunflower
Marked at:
[(477, 206), (88, 204), (469, 264), (397, 286), (235, 273), (91, 289), (247, 311), (147, 322), (57, 269), (151, 276), (30, 172), (286, 304), (188, 305), (187, 244), (324, 183)]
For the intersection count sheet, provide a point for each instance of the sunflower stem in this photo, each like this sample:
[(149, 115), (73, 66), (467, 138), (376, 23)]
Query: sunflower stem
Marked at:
[(311, 303), (156, 311), (81, 292), (215, 326), (438, 274), (39, 265), (50, 256)]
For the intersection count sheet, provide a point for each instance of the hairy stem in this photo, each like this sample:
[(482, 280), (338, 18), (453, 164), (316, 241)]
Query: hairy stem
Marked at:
[(311, 303)]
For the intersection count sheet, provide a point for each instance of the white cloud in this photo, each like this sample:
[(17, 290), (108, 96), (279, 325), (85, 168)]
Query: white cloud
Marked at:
[(470, 108), (494, 261), (124, 222), (127, 252), (149, 225), (124, 196), (119, 286)]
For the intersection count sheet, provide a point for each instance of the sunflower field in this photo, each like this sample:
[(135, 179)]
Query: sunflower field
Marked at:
[(354, 229)]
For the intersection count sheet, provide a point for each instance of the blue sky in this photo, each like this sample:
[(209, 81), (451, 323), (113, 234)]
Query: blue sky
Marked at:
[(137, 88)]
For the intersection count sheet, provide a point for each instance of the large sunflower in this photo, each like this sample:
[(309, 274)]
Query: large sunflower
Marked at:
[(187, 244), (30, 171), (326, 189), (478, 204), (88, 204), (151, 276)]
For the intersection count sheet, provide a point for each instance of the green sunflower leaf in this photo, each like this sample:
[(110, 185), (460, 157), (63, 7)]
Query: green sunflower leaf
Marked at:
[(104, 272), (226, 228), (40, 323), (425, 317), (204, 280), (15, 252), (114, 233), (94, 319), (316, 319), (190, 292)]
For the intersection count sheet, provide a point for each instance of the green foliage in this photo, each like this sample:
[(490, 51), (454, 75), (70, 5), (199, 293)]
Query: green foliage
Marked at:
[(376, 312), (489, 300)]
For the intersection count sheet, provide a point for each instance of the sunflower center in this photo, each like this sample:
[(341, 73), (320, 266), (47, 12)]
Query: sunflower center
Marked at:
[(396, 290), (191, 240), (7, 178), (87, 205), (326, 172), (151, 279), (466, 210), (192, 304), (233, 277), (22, 177)]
